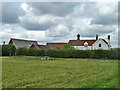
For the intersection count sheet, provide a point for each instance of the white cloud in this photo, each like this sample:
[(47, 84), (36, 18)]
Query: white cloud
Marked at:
[(58, 31), (11, 11), (31, 22), (6, 34), (62, 21), (36, 35), (25, 7)]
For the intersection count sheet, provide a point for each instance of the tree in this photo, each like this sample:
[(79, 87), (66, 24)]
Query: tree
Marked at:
[(23, 51), (69, 46), (8, 50), (58, 48)]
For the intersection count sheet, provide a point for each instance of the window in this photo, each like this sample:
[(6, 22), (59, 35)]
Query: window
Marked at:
[(85, 44), (99, 45)]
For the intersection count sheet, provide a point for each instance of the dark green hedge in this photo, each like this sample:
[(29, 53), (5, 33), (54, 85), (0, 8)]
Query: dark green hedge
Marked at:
[(97, 54), (29, 52), (0, 50), (10, 50), (70, 53)]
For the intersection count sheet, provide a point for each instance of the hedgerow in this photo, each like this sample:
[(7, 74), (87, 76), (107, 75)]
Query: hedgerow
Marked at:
[(10, 50)]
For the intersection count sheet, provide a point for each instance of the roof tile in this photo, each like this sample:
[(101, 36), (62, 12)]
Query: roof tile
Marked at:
[(81, 42)]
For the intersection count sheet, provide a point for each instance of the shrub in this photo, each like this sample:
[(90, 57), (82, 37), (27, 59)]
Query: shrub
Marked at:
[(68, 46), (58, 48), (62, 52), (91, 53), (8, 50), (113, 54), (23, 51), (0, 50), (39, 52), (103, 54), (32, 52)]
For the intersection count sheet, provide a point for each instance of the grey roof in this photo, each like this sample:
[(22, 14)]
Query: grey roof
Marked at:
[(19, 43)]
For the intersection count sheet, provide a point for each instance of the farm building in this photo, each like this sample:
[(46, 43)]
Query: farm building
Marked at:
[(48, 45), (91, 44), (19, 43), (78, 44), (39, 46)]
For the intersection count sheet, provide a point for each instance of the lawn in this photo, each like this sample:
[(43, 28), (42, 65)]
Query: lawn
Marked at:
[(32, 72)]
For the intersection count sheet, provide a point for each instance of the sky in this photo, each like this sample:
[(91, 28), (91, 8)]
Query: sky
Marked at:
[(59, 21)]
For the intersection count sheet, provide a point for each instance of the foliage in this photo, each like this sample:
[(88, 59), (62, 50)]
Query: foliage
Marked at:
[(8, 50), (58, 48), (0, 50), (68, 46), (35, 52), (23, 51), (65, 52), (100, 54)]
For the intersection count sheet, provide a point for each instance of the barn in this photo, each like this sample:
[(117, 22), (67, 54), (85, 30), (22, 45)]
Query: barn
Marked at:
[(48, 45), (19, 43)]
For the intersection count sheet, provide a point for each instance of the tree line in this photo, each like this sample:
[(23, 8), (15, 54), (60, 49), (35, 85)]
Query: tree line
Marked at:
[(66, 52)]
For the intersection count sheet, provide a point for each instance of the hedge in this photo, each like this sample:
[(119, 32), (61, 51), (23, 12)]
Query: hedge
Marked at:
[(70, 53), (10, 50)]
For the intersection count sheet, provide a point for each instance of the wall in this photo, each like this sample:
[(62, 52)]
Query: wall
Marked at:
[(82, 47), (95, 46), (103, 45)]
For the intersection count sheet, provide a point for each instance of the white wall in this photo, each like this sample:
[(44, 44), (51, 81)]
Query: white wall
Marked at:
[(82, 47), (95, 46), (103, 45)]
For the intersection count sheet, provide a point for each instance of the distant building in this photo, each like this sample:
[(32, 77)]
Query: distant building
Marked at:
[(48, 45), (91, 44), (78, 44), (19, 43), (39, 46), (54, 45)]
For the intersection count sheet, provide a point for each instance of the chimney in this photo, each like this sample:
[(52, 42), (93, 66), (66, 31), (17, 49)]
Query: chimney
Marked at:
[(108, 37), (109, 41), (3, 42), (78, 37), (96, 36)]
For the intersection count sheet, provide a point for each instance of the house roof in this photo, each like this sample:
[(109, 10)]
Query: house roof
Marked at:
[(54, 45), (81, 42), (48, 45), (39, 46), (105, 41), (35, 45), (43, 47), (19, 43)]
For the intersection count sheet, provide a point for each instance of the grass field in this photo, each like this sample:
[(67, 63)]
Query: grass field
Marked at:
[(32, 72)]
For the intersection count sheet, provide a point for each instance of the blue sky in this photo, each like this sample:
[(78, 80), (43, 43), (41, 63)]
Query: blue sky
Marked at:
[(59, 22)]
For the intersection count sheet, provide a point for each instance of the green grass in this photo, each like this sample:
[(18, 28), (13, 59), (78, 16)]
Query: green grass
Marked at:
[(20, 72)]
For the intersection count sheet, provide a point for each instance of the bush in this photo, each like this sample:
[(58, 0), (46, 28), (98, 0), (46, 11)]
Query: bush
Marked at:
[(64, 53), (23, 51), (103, 54), (113, 54), (0, 50), (91, 53), (68, 46), (30, 52), (8, 50)]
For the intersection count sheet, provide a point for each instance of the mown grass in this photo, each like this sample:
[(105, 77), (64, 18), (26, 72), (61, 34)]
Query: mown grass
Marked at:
[(32, 72)]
